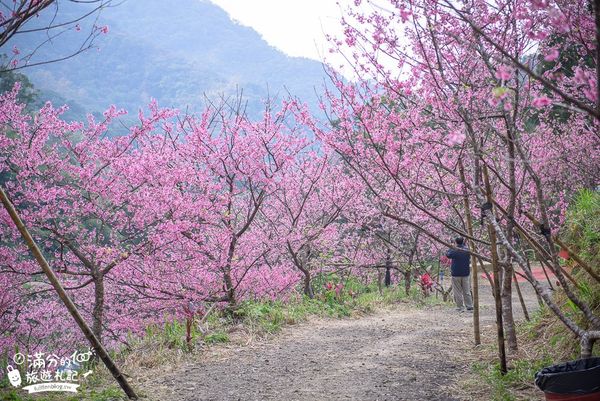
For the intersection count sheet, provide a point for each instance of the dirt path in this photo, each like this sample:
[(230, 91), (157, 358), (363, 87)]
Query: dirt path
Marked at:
[(401, 353)]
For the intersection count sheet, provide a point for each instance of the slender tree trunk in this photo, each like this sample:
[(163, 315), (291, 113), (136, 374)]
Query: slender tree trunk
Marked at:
[(495, 267), (521, 300), (539, 298), (300, 265), (507, 309), (474, 272), (98, 311), (308, 289), (543, 265), (229, 287), (499, 323), (388, 267), (407, 274)]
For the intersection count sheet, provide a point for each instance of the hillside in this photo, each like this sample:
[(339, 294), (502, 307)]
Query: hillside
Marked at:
[(175, 52)]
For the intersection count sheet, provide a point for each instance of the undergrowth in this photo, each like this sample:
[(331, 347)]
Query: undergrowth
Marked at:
[(545, 340), (517, 384)]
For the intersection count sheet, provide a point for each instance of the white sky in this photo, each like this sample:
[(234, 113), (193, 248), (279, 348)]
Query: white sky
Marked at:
[(297, 27)]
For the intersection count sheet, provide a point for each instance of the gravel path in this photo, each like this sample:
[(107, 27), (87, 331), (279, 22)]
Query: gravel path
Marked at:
[(400, 353)]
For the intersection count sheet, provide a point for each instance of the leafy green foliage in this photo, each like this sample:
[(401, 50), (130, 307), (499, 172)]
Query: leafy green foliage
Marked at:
[(582, 234), (27, 95), (583, 226), (173, 334)]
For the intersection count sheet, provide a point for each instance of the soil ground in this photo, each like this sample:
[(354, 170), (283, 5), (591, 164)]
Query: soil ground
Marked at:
[(398, 353)]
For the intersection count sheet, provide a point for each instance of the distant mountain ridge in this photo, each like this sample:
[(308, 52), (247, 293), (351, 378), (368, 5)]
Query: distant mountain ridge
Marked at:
[(175, 52)]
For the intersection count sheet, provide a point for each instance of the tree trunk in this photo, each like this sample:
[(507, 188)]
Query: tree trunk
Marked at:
[(388, 267), (474, 272), (308, 289), (507, 310), (499, 315), (407, 281), (301, 265), (98, 311), (495, 267), (229, 288)]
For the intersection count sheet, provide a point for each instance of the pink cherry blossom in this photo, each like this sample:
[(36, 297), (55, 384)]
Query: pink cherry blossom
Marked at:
[(541, 101), (552, 55), (455, 138), (503, 73)]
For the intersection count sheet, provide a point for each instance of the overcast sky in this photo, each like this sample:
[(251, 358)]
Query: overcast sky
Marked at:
[(294, 26)]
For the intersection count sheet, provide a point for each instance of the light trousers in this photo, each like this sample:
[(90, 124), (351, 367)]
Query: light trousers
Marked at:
[(461, 287)]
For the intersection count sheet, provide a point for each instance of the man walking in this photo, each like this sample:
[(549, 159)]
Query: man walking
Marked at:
[(461, 270)]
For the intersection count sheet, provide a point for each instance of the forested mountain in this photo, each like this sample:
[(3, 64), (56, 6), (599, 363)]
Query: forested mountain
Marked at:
[(173, 51)]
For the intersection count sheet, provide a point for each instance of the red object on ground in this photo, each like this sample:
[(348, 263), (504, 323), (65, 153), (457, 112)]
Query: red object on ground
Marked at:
[(573, 397), (426, 281), (564, 254)]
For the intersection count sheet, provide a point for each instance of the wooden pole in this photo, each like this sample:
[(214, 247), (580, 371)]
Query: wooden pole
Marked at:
[(521, 300), (474, 273), (539, 258), (35, 250), (487, 274), (437, 279), (539, 298), (495, 268)]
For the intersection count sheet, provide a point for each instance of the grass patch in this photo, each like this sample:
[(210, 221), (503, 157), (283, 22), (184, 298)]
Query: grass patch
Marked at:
[(218, 337), (517, 383)]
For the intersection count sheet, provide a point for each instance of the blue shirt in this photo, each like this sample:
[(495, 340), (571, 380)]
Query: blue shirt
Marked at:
[(461, 261)]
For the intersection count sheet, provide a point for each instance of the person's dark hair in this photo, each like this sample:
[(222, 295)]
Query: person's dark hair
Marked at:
[(459, 240)]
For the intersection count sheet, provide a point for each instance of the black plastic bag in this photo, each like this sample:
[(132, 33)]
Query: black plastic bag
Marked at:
[(575, 377)]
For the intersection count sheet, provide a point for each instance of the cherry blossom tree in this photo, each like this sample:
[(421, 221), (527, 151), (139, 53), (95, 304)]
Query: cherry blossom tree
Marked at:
[(245, 163), (453, 91), (67, 179), (306, 215)]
